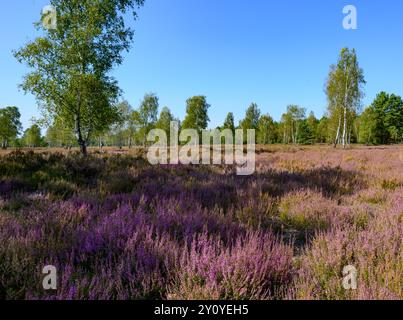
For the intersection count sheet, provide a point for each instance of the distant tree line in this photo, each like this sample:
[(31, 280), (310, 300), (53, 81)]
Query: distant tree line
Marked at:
[(380, 123)]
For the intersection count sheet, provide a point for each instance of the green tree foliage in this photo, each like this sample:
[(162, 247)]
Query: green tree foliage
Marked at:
[(135, 124), (251, 120), (344, 93), (60, 135), (32, 137), (10, 125), (322, 130), (252, 116), (147, 115), (313, 123), (382, 122), (229, 122), (132, 126), (164, 121), (356, 128), (267, 131), (120, 133), (196, 114), (308, 130), (371, 128), (71, 64), (290, 123), (286, 128), (306, 133), (393, 118)]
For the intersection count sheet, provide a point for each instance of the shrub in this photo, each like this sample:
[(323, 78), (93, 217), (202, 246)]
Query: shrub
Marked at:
[(255, 267)]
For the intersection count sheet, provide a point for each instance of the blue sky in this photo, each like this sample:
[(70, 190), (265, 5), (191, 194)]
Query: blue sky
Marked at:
[(274, 53)]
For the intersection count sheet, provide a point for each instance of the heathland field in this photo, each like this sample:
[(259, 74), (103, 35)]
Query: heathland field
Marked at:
[(116, 227)]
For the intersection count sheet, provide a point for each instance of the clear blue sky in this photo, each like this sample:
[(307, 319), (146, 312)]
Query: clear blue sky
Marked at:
[(235, 52)]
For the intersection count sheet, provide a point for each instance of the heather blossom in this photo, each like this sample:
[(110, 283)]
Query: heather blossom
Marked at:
[(116, 227)]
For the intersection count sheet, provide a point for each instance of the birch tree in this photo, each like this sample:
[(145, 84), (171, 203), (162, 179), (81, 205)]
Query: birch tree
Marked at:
[(344, 89), (71, 63)]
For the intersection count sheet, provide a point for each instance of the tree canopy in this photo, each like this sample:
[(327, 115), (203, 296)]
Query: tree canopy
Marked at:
[(196, 113), (10, 125), (382, 121), (252, 115), (71, 63), (32, 137), (229, 122)]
